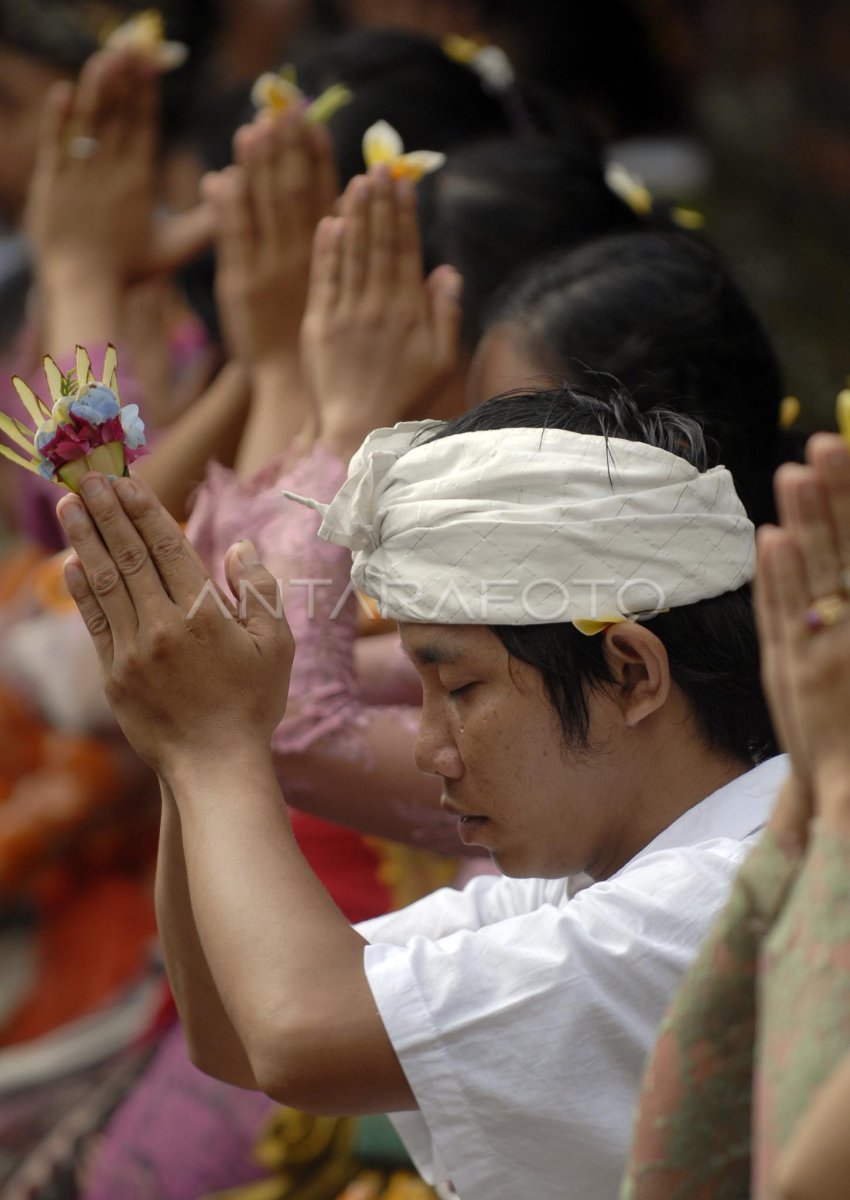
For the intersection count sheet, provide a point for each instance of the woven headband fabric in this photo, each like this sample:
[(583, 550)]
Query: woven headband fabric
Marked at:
[(531, 526)]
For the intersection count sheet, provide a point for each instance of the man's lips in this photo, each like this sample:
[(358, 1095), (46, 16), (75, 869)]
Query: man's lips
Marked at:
[(469, 825), (454, 811)]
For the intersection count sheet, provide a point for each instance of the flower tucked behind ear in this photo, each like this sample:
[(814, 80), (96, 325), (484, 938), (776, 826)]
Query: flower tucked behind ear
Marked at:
[(145, 34), (86, 429), (381, 144), (277, 92)]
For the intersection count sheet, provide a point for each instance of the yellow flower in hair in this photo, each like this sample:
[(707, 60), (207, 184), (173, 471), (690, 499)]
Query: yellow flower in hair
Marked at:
[(84, 429), (630, 188), (382, 144), (462, 50), (789, 411), (489, 62), (277, 92), (590, 627), (842, 414), (145, 34), (687, 218)]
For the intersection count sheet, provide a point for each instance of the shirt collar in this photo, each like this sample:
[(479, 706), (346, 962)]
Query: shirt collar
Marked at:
[(736, 810)]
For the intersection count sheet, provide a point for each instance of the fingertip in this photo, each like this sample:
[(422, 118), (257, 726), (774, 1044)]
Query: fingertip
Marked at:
[(208, 187), (450, 282), (405, 190), (246, 552), (243, 140), (827, 450), (319, 136), (232, 184), (60, 95)]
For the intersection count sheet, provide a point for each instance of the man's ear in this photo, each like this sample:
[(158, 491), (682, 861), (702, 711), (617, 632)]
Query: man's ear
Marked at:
[(641, 670)]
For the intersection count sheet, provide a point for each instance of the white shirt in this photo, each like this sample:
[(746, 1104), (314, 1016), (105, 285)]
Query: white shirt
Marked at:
[(522, 1017)]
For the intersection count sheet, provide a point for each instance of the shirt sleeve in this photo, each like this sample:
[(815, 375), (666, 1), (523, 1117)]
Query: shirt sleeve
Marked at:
[(523, 1039)]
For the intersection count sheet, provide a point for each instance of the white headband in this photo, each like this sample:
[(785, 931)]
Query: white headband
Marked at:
[(533, 526)]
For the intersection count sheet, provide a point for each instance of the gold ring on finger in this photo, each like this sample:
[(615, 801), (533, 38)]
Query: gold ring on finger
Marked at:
[(828, 611)]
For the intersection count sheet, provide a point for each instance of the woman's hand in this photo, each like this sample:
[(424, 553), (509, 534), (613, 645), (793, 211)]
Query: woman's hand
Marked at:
[(267, 207), (266, 211), (90, 211), (804, 620), (378, 341), (185, 671)]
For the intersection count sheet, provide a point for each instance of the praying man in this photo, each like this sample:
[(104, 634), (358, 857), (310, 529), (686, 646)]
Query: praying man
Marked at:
[(571, 581)]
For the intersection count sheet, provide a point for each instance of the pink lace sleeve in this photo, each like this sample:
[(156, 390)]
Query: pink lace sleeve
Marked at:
[(337, 756)]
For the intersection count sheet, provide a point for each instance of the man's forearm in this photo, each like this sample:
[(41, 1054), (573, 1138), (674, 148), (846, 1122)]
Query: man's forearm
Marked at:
[(287, 965), (205, 1021)]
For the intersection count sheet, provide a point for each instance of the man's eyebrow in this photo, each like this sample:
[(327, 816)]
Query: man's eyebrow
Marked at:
[(432, 655)]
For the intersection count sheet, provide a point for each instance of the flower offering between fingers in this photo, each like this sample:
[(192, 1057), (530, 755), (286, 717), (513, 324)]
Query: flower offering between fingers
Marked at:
[(277, 92), (84, 429), (144, 34), (383, 145)]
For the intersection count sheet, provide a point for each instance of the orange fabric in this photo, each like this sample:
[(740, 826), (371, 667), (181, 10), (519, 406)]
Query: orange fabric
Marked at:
[(48, 585), (16, 566), (21, 740), (96, 942), (52, 798)]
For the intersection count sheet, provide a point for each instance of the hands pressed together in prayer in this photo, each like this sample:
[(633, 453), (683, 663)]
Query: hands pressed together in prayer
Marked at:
[(92, 200), (378, 341), (802, 607), (187, 671)]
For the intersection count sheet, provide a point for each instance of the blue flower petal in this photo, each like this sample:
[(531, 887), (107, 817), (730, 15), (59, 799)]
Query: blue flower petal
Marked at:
[(47, 469), (96, 405), (133, 426)]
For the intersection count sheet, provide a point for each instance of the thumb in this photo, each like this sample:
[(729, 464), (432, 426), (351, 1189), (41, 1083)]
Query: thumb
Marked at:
[(179, 239), (445, 286), (257, 593)]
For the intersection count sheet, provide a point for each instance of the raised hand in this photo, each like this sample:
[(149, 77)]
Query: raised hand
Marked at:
[(184, 671), (804, 619), (90, 211), (266, 210), (378, 342)]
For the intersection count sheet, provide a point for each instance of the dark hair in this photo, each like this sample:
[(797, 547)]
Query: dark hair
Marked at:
[(496, 206), (433, 102), (660, 312), (64, 33), (711, 645), (600, 56)]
